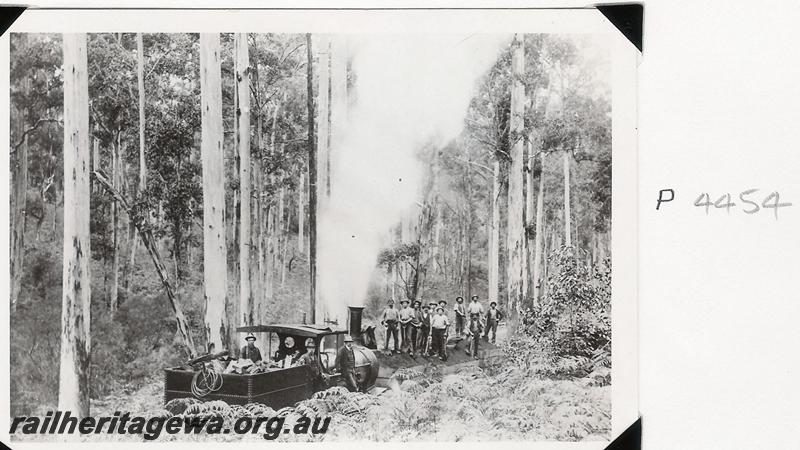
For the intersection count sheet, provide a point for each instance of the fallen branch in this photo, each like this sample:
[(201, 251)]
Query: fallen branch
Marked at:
[(31, 130), (150, 243)]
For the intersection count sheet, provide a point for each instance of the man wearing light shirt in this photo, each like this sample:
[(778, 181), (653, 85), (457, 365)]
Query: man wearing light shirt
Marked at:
[(389, 320), (439, 324), (461, 315), (475, 308), (406, 316)]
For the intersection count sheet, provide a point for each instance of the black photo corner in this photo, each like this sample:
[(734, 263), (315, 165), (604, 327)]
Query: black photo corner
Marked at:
[(8, 14), (630, 439), (628, 19)]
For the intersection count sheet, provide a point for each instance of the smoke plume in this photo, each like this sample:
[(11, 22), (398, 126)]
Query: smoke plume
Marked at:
[(409, 91)]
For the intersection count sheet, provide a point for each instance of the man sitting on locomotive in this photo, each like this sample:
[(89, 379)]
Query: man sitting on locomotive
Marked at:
[(250, 351), (309, 358), (287, 354)]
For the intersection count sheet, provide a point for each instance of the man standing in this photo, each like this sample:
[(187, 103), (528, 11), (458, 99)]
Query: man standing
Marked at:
[(475, 308), (474, 335), (493, 317), (250, 351), (346, 362), (461, 315), (424, 329), (439, 325), (406, 316), (443, 305), (416, 323), (429, 349), (389, 320)]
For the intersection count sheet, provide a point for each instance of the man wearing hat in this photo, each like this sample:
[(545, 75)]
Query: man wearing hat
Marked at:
[(346, 362), (389, 320), (475, 307), (461, 315), (406, 316), (309, 358), (439, 325), (428, 344), (250, 351), (493, 317), (424, 319), (416, 324), (443, 305)]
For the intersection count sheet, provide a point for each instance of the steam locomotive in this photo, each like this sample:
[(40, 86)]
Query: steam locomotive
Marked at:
[(280, 386)]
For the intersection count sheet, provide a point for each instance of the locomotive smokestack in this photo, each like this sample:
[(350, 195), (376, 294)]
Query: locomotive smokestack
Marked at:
[(355, 323)]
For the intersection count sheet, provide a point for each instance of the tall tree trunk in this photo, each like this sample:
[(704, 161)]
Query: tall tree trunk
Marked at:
[(19, 189), (301, 213), (73, 389), (256, 280), (516, 229), (260, 218), (269, 232), (281, 233), (528, 281), (140, 77), (468, 233), (494, 236), (538, 255), (142, 164), (214, 249), (567, 216), (115, 177), (313, 185), (243, 126), (319, 183), (95, 154)]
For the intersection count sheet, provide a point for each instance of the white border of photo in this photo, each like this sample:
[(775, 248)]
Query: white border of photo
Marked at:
[(625, 59)]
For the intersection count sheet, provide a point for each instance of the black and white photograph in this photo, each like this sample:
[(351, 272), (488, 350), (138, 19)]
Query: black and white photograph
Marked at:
[(264, 226)]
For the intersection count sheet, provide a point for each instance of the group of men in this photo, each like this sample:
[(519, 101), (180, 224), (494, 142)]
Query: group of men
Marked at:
[(423, 329)]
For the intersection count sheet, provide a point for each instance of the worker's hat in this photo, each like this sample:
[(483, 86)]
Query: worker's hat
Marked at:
[(460, 299), (426, 307), (474, 297), (493, 304), (442, 301), (390, 302), (310, 343), (348, 338), (403, 301), (439, 308), (417, 302), (250, 336)]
